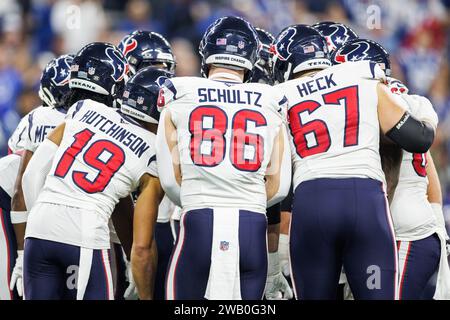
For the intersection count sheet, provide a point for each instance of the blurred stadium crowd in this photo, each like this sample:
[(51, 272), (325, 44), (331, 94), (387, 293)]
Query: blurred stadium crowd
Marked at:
[(415, 32)]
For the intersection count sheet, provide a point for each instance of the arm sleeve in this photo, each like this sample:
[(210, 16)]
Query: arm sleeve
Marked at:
[(411, 134), (285, 171), (165, 164), (37, 170)]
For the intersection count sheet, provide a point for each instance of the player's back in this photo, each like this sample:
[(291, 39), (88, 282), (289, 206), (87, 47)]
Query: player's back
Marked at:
[(225, 137), (411, 212), (16, 142), (101, 158), (333, 122), (41, 121)]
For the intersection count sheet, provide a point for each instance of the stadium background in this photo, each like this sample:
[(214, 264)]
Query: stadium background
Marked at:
[(415, 32)]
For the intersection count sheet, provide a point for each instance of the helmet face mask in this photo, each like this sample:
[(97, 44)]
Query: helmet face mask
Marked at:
[(296, 49), (262, 73), (144, 48), (99, 67), (139, 99), (232, 43), (363, 49), (54, 84)]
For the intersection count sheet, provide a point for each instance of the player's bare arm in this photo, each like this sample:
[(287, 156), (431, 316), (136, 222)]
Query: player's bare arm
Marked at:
[(122, 218), (168, 157), (143, 253), (278, 170), (413, 135)]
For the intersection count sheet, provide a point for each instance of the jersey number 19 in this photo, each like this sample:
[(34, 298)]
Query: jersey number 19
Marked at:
[(103, 155)]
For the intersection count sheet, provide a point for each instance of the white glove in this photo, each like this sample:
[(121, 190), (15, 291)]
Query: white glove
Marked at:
[(277, 287), (283, 252), (396, 86), (17, 274), (131, 292), (421, 109)]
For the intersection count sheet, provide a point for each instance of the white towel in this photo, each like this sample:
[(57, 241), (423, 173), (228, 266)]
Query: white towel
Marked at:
[(224, 281), (84, 271), (443, 278)]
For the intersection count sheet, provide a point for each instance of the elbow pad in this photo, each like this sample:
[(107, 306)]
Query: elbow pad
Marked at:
[(274, 214), (412, 135)]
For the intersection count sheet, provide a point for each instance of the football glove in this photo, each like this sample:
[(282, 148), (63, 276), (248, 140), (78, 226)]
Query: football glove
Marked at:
[(131, 292), (283, 252), (396, 86), (17, 274), (277, 287)]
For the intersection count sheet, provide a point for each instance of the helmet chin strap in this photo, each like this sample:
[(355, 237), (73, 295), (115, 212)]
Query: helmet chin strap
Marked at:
[(225, 76)]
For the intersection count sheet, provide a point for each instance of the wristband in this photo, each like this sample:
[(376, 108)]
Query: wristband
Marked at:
[(19, 217)]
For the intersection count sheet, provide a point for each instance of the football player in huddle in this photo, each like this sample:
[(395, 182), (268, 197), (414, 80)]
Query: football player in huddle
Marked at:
[(32, 130), (216, 137), (277, 286), (416, 205), (340, 213), (97, 156), (336, 34), (143, 49)]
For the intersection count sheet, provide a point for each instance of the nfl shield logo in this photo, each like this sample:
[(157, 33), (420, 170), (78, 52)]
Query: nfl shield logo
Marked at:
[(126, 94), (140, 100), (241, 44), (91, 70), (224, 245)]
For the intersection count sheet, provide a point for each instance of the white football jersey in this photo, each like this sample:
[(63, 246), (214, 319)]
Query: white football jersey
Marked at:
[(9, 168), (17, 140), (333, 122), (226, 132), (101, 159), (411, 212), (41, 121)]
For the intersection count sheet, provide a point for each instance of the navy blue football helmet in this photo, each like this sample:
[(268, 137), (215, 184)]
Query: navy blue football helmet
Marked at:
[(336, 34), (99, 67), (363, 49), (263, 67), (144, 48), (230, 42), (140, 96), (298, 48), (54, 85)]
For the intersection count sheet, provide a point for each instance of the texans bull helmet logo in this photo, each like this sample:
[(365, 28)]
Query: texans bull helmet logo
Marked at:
[(118, 63), (354, 51), (282, 48), (60, 70), (127, 45)]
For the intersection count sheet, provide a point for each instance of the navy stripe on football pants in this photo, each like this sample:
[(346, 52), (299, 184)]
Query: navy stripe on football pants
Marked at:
[(188, 272), (8, 247), (119, 271), (345, 222), (164, 243), (51, 272), (418, 261)]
